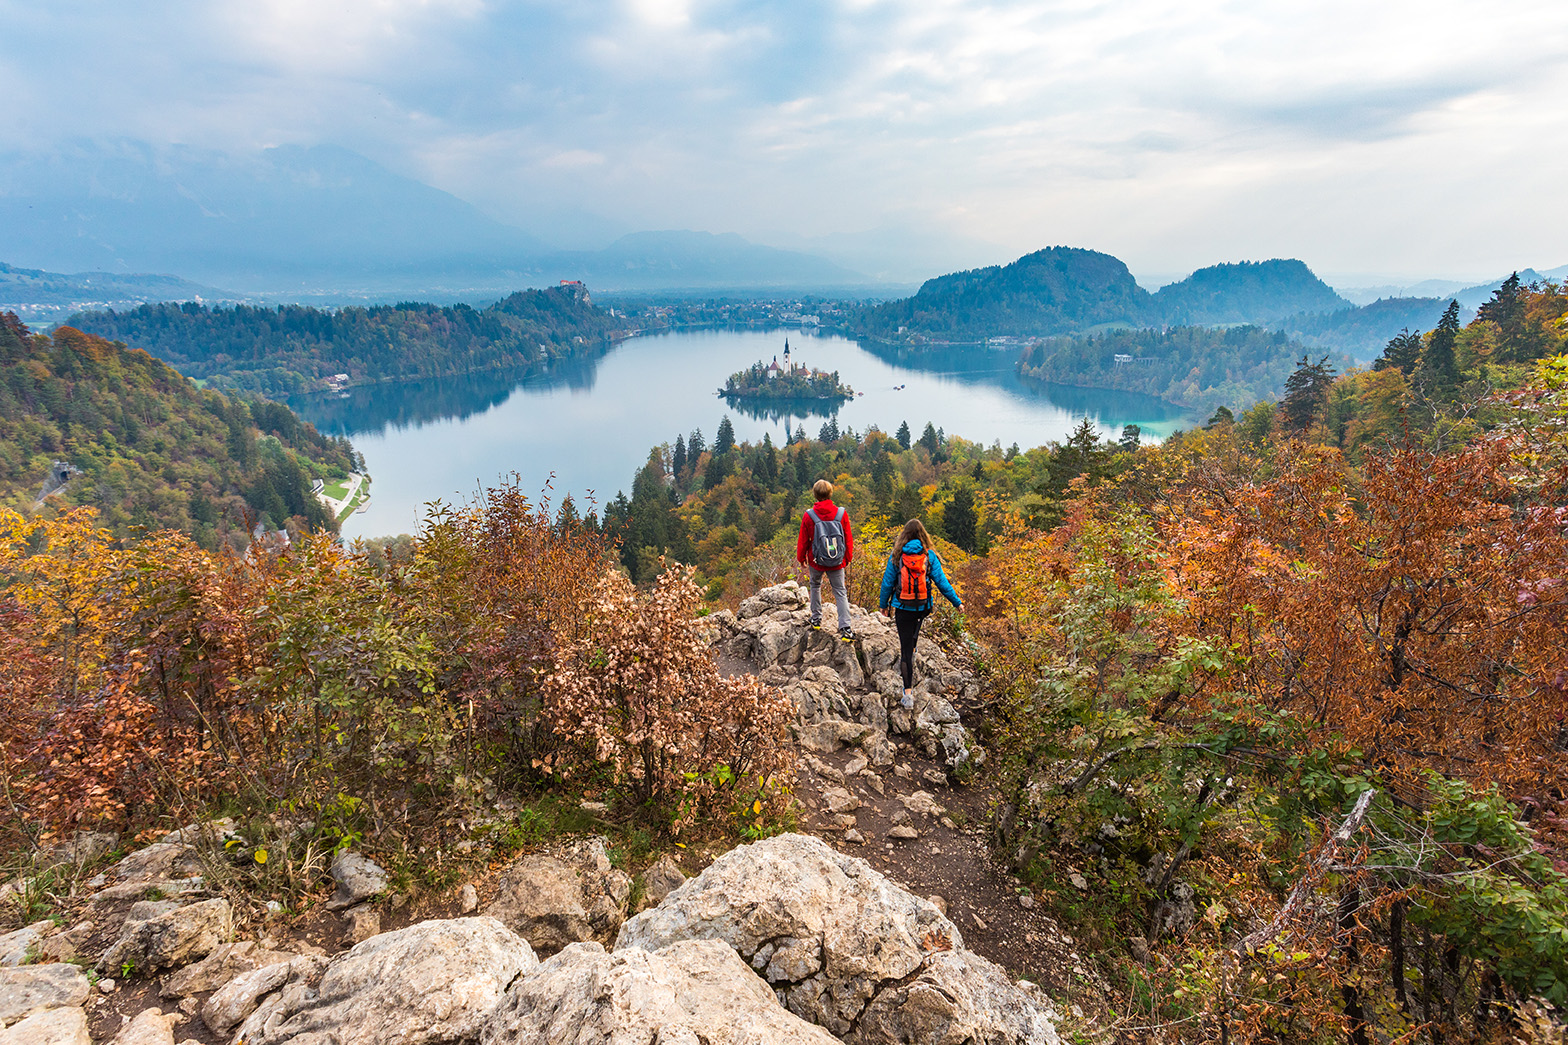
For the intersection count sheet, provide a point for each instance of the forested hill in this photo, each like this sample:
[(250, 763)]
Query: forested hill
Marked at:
[(1052, 291), (1246, 292), (150, 448), (294, 348), (1198, 367)]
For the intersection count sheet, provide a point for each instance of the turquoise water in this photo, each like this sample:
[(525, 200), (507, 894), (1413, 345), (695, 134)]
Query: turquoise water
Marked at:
[(592, 422)]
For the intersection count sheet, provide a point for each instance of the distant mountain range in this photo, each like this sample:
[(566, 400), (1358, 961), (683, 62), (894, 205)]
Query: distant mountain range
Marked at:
[(1065, 290), (42, 298), (309, 223), (1069, 290)]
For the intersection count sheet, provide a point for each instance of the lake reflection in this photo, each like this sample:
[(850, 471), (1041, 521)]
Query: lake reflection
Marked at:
[(591, 423)]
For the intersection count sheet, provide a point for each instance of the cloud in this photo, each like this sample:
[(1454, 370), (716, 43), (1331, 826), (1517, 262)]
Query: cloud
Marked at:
[(1173, 133)]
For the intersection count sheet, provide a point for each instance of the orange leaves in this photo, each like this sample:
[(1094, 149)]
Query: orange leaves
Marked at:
[(639, 694), (1407, 619)]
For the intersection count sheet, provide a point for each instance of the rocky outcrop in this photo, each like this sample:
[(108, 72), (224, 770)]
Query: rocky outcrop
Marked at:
[(42, 1005), (555, 899), (691, 992), (434, 982), (847, 694), (167, 934), (358, 879), (844, 947)]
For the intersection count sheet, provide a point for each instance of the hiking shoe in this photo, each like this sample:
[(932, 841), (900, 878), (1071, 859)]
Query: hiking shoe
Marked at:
[(846, 635), (816, 623), (908, 701)]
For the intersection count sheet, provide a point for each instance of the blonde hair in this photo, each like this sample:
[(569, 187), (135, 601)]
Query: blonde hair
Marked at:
[(823, 489)]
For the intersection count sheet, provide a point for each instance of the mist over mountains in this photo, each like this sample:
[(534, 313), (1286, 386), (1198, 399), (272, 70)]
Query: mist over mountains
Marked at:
[(309, 221)]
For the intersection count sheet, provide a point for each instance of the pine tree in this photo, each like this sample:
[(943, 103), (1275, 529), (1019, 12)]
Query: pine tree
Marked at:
[(1132, 435), (903, 435), (959, 519), (1306, 390), (1402, 351), (770, 462), (724, 442), (1438, 374), (695, 445), (930, 440), (678, 460)]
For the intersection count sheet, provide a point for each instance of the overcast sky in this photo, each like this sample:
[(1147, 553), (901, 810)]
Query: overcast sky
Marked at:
[(1384, 138)]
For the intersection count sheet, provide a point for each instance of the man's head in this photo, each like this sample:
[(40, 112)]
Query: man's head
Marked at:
[(823, 489)]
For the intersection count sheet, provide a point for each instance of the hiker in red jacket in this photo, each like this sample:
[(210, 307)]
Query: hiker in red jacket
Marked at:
[(825, 547)]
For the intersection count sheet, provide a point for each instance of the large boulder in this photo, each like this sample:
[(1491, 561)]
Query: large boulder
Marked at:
[(165, 935), (221, 966), (49, 1027), (35, 988), (429, 984), (844, 947), (568, 896), (691, 992)]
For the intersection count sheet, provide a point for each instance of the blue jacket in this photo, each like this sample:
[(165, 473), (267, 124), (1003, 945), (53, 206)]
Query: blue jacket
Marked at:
[(933, 566)]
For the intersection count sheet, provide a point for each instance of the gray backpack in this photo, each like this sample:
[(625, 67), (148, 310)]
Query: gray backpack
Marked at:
[(828, 545)]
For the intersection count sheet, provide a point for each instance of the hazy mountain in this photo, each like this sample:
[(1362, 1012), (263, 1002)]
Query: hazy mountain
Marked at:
[(1363, 332), (298, 222), (40, 297), (1053, 291), (1257, 292), (690, 260), (287, 216)]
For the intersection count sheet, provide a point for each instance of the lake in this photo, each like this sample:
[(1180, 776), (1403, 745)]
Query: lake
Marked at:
[(591, 422)]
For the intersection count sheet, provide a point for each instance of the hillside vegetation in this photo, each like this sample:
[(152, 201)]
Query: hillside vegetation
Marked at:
[(152, 450), (1198, 367), (294, 348)]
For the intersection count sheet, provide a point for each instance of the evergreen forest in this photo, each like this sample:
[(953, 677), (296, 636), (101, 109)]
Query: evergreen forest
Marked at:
[(296, 348)]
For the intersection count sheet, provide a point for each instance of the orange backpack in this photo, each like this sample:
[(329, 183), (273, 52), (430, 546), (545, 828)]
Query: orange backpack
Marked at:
[(914, 580)]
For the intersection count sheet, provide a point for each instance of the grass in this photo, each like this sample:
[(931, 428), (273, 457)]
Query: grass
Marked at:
[(336, 490)]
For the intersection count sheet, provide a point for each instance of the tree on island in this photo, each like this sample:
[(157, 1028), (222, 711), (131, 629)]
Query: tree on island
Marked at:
[(770, 381)]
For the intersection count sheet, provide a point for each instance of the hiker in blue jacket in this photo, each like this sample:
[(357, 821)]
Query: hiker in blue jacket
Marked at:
[(913, 572)]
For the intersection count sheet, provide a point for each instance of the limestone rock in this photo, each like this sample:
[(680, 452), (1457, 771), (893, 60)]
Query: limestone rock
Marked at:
[(20, 946), (840, 800), (34, 988), (156, 937), (358, 879), (691, 992), (161, 861), (49, 1027), (434, 982), (662, 879), (364, 922), (957, 996), (237, 999), (468, 899), (552, 900), (148, 1027), (921, 802), (208, 832), (903, 832), (839, 942), (226, 961)]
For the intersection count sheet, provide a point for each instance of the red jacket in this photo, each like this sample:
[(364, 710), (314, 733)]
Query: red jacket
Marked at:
[(824, 510)]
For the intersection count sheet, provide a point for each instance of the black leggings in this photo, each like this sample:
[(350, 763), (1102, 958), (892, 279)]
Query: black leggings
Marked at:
[(908, 624)]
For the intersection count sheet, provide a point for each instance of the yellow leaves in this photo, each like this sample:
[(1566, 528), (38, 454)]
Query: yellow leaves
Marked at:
[(260, 856)]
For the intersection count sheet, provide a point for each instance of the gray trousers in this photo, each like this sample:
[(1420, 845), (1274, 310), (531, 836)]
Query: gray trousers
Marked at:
[(840, 594)]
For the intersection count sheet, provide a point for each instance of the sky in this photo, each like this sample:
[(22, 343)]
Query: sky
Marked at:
[(1376, 141)]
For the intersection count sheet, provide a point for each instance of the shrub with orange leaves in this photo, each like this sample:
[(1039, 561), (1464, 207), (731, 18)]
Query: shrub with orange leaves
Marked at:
[(639, 692)]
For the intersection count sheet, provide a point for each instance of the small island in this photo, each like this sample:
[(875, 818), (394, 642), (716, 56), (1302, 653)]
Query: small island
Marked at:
[(772, 381)]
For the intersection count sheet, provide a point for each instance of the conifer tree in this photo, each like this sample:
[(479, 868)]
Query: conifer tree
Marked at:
[(1438, 374), (724, 442), (903, 435), (959, 519), (930, 440), (1306, 390), (678, 459)]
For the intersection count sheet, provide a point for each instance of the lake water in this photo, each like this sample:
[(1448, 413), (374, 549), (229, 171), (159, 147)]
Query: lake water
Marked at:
[(592, 422)]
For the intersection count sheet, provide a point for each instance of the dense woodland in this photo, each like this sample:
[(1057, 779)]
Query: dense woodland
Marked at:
[(1275, 708), (153, 451), (295, 348), (1199, 367)]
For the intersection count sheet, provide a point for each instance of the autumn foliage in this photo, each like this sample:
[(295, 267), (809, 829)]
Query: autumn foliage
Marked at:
[(150, 678)]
